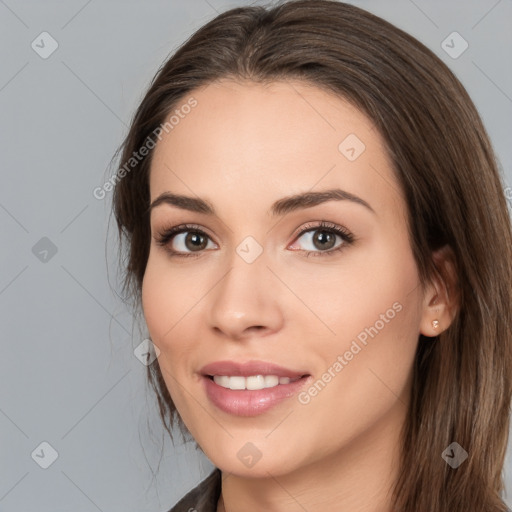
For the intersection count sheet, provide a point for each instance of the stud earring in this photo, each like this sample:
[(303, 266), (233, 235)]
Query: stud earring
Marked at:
[(435, 324)]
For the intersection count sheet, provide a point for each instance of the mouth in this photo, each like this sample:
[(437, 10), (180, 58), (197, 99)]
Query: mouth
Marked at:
[(251, 395), (252, 387), (252, 382)]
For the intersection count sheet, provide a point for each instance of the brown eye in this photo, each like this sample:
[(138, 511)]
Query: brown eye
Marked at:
[(195, 241), (184, 240), (324, 239), (188, 241)]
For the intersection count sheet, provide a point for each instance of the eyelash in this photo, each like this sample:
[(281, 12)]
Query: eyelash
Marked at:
[(166, 235)]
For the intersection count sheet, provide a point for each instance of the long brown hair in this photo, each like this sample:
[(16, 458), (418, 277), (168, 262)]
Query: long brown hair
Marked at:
[(445, 164)]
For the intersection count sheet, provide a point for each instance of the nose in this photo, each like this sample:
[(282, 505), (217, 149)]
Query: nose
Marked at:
[(245, 303)]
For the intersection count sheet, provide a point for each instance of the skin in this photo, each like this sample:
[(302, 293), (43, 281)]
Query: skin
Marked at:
[(244, 146)]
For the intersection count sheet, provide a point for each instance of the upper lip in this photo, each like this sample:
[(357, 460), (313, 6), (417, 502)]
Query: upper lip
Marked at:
[(233, 368)]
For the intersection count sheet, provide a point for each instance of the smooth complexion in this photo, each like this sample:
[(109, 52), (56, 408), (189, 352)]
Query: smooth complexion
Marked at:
[(243, 148)]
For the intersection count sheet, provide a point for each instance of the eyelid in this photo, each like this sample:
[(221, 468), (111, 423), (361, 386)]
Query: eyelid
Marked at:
[(164, 235), (347, 236), (324, 224)]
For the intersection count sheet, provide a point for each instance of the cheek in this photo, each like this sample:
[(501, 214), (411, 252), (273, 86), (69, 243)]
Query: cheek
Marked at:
[(374, 311), (156, 299), (164, 306), (172, 297), (372, 306), (349, 294), (163, 302), (378, 325), (389, 307), (168, 294)]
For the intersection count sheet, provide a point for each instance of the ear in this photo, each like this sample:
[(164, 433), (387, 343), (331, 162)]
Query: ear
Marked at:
[(441, 295)]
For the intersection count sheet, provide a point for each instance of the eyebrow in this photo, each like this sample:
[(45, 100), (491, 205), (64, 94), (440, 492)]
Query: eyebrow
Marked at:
[(279, 208)]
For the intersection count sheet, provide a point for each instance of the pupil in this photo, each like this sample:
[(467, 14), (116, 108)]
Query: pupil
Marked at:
[(323, 237), (195, 241)]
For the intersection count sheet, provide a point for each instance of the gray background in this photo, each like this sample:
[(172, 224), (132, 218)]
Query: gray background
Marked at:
[(69, 376)]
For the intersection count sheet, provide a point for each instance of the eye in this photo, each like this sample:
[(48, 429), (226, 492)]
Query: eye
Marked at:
[(184, 240), (321, 239), (188, 240)]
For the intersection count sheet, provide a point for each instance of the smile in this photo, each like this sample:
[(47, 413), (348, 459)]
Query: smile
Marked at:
[(252, 382)]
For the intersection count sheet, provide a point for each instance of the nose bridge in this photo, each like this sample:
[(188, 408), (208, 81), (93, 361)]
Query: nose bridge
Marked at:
[(245, 296)]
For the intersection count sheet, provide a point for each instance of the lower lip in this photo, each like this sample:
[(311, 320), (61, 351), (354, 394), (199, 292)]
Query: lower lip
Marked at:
[(245, 402)]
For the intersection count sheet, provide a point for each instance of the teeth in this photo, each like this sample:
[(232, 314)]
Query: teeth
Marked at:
[(253, 382)]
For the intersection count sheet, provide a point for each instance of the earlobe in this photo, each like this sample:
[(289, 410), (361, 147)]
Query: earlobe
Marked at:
[(441, 295), (434, 318)]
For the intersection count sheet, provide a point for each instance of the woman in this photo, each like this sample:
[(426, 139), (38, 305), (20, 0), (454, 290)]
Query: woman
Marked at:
[(319, 241)]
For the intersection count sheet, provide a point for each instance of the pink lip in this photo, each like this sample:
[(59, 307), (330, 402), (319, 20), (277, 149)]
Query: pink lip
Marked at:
[(249, 368), (245, 402)]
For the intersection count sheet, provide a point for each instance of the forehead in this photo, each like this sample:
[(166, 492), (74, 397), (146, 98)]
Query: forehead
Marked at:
[(261, 142)]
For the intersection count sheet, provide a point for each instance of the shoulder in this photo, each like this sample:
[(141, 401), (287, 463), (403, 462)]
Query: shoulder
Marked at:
[(202, 498)]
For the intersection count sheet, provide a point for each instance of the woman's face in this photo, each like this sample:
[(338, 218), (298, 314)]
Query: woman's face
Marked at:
[(343, 309)]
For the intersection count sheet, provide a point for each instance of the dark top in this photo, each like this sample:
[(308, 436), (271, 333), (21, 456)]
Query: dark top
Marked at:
[(202, 498), (205, 496)]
